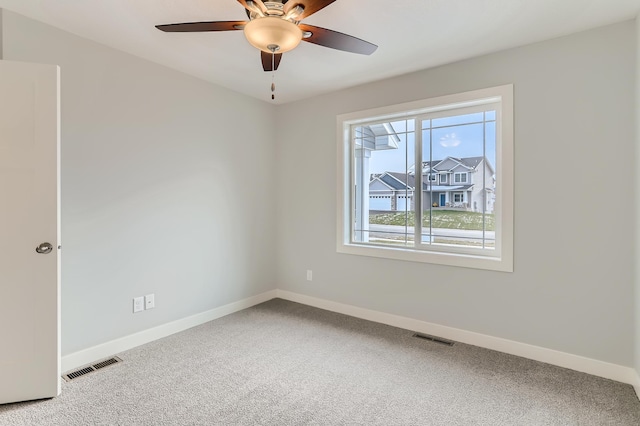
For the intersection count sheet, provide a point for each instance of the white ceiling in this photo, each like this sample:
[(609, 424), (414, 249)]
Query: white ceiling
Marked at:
[(411, 35)]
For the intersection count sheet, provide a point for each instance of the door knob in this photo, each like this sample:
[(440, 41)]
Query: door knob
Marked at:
[(44, 248)]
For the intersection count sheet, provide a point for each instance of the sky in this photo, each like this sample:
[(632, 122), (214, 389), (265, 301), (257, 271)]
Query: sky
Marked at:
[(457, 136)]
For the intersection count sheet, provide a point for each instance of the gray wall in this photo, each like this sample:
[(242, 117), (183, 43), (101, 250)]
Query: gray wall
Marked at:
[(161, 193), (572, 289), (165, 189), (1, 55)]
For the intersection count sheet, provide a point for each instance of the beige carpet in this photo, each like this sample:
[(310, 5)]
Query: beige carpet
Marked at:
[(282, 363)]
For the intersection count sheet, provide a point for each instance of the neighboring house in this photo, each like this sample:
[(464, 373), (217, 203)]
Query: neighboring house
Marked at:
[(461, 183)]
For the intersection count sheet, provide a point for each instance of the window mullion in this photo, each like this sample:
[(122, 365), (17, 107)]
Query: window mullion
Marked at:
[(352, 183), (484, 180), (431, 239), (417, 190)]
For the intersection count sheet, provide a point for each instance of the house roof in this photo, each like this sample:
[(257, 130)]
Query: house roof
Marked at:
[(444, 188), (398, 180), (382, 182), (377, 137), (406, 181), (402, 181), (469, 162)]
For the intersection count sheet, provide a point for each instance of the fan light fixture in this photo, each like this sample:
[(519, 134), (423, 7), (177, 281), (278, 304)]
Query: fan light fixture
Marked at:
[(273, 34)]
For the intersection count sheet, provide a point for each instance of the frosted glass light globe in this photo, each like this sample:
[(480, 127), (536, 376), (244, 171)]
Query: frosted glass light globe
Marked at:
[(273, 31)]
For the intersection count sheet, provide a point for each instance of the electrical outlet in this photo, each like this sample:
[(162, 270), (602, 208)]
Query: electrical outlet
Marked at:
[(138, 304), (149, 301), (309, 275)]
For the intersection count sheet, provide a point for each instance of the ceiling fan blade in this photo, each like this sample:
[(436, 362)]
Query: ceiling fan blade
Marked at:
[(310, 6), (192, 27), (269, 63), (336, 40)]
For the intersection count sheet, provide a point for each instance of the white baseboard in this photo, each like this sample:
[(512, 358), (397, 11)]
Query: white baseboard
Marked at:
[(562, 359), (107, 349)]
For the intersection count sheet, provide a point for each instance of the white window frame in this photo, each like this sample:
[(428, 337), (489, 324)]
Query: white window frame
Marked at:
[(502, 257), (457, 177), (443, 178)]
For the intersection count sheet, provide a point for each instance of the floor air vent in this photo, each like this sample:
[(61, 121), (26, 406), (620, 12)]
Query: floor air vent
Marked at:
[(106, 363), (78, 373), (433, 339), (91, 368)]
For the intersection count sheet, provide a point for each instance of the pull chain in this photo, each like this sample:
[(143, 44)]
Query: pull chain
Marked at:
[(273, 75), (273, 48)]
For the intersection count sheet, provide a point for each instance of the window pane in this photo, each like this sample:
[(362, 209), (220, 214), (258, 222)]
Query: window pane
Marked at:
[(463, 155), (431, 199), (490, 182), (399, 126), (384, 156), (458, 119)]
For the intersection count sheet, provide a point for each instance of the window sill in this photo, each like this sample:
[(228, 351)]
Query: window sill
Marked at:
[(503, 264)]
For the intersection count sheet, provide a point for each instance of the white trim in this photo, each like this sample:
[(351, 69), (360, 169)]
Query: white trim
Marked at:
[(562, 359), (636, 384), (95, 353), (456, 256)]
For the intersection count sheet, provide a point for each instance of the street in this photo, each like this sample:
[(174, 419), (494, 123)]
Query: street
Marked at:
[(379, 231)]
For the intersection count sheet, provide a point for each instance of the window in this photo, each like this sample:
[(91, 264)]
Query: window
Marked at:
[(459, 177), (430, 219)]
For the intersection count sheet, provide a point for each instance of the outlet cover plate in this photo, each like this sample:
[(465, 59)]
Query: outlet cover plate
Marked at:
[(138, 304), (149, 301)]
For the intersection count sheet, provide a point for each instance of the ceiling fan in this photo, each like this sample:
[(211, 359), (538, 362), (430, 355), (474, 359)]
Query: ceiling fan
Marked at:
[(274, 27)]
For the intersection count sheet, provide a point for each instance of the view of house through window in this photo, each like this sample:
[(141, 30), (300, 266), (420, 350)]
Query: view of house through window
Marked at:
[(427, 182), (432, 182)]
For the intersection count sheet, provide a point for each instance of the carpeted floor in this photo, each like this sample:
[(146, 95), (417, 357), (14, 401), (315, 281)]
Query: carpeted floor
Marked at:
[(282, 363)]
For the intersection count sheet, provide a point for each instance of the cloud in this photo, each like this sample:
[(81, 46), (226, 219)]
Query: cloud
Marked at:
[(449, 140)]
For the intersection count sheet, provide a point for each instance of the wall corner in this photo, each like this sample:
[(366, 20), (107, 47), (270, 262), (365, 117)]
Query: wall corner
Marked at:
[(636, 286)]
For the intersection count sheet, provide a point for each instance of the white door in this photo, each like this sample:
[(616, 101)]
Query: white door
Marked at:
[(29, 218)]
